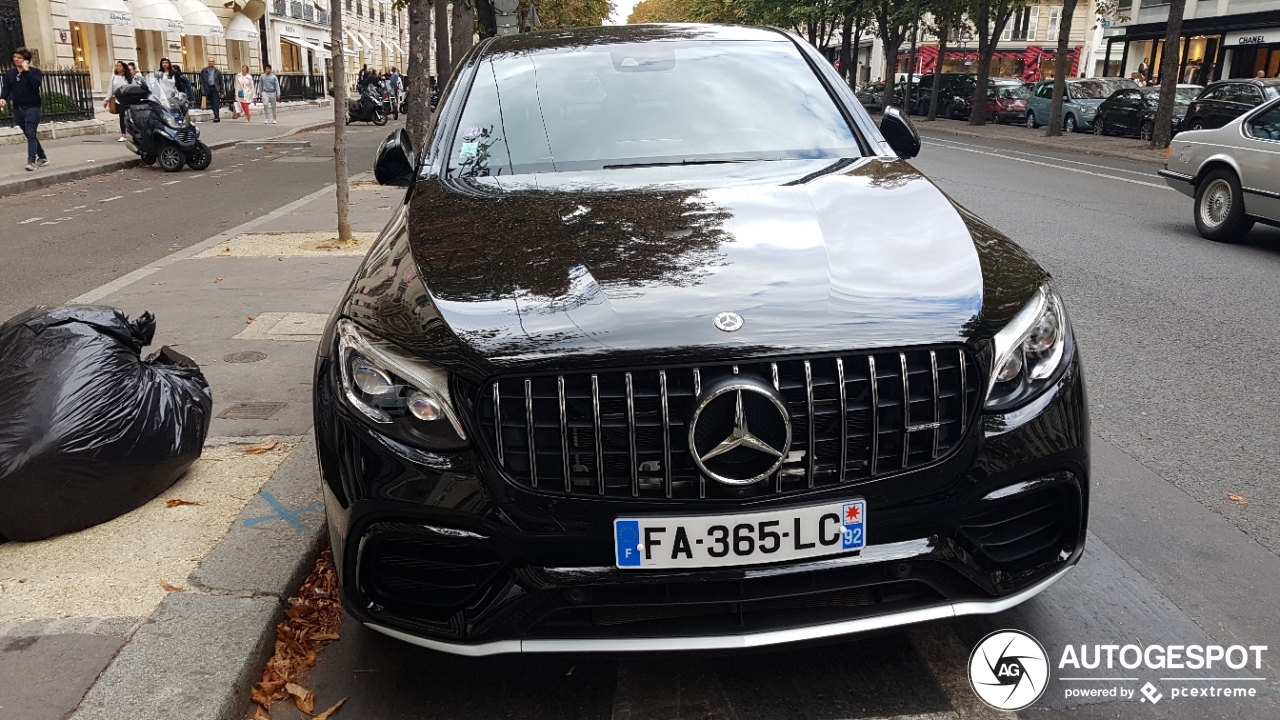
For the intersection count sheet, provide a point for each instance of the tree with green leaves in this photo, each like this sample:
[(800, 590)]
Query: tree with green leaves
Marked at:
[(990, 18)]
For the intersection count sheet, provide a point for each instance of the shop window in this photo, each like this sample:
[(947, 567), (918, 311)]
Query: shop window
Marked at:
[(290, 58), (80, 45)]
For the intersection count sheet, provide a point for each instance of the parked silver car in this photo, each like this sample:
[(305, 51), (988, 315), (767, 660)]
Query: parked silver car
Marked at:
[(1233, 172)]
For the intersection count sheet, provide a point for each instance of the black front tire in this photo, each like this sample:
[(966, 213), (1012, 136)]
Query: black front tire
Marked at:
[(1146, 130), (1219, 208), (171, 158), (148, 159), (200, 157), (1031, 120), (1069, 125), (1196, 124), (379, 118)]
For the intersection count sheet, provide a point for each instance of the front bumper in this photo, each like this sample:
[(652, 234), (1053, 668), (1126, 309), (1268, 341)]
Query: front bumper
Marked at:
[(441, 551)]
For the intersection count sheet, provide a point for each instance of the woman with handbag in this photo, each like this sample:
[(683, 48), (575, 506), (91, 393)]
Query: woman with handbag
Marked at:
[(244, 90), (121, 78)]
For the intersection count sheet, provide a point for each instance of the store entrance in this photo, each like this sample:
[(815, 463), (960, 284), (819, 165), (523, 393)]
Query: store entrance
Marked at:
[(1249, 60)]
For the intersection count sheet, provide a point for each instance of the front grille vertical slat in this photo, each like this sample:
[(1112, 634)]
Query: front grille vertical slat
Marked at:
[(808, 394), (599, 440), (631, 437), (564, 436), (533, 445), (844, 418), (906, 410), (937, 400), (626, 432), (497, 423), (666, 434), (875, 413)]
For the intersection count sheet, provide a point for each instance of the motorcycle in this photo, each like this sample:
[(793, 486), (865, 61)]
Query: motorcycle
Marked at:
[(366, 108), (390, 106), (158, 127)]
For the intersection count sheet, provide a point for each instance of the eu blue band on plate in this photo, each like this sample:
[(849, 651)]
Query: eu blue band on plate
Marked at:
[(627, 535)]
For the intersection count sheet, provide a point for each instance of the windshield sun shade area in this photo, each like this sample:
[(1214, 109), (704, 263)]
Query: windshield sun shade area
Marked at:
[(632, 105)]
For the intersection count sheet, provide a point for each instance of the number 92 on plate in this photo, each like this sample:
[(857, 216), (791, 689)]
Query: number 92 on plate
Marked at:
[(704, 541)]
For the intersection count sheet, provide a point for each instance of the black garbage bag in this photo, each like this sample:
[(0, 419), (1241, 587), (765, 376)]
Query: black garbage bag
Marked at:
[(88, 429)]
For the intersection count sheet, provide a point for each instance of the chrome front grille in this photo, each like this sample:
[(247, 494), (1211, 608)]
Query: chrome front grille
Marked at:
[(620, 433)]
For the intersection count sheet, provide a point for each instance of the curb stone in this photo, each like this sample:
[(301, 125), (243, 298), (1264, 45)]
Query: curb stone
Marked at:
[(201, 651), (12, 187)]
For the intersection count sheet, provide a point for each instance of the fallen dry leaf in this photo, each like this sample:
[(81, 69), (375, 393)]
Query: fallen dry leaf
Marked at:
[(175, 502), (247, 319), (170, 588), (329, 713), (217, 280), (1237, 500), (303, 698), (311, 620), (260, 448)]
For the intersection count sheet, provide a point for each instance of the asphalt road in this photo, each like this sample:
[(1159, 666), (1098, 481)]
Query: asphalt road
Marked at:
[(1179, 337), (67, 239)]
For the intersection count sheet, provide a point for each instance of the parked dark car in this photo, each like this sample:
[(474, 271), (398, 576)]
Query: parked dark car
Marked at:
[(1079, 104), (637, 366), (1133, 111), (1225, 100), (955, 95), (871, 95), (1007, 101)]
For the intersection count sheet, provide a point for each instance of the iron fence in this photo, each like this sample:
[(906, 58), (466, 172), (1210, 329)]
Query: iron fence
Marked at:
[(65, 95), (293, 86)]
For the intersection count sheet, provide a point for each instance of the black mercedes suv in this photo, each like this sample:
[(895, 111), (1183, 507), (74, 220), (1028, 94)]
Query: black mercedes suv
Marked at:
[(669, 347)]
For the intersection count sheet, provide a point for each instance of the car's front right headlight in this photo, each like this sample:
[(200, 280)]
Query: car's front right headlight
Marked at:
[(1029, 352), (402, 396)]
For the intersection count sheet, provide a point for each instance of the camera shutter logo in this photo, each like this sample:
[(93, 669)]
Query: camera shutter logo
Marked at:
[(1009, 670)]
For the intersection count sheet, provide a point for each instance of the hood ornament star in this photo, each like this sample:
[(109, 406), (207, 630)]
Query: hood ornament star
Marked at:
[(740, 437)]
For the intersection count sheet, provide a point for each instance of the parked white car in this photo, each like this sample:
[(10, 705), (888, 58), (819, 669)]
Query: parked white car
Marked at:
[(1233, 172)]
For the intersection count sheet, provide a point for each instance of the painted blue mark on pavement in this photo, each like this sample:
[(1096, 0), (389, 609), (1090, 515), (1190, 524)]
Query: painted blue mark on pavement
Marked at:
[(282, 513)]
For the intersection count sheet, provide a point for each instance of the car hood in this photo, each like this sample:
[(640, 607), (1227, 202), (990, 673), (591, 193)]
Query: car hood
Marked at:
[(815, 256)]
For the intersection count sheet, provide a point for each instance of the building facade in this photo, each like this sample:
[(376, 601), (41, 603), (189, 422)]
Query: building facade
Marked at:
[(1220, 39)]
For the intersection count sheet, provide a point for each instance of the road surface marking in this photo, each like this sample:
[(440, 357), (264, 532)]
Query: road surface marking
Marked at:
[(53, 222), (142, 190), (173, 182), (1056, 167), (199, 175), (78, 207), (111, 198), (30, 220), (1140, 173)]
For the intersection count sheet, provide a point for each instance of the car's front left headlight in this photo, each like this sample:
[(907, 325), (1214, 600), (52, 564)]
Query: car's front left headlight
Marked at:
[(1029, 352), (403, 396)]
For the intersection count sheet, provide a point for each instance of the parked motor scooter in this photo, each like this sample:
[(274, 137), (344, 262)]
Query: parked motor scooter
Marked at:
[(389, 105), (158, 127), (366, 108)]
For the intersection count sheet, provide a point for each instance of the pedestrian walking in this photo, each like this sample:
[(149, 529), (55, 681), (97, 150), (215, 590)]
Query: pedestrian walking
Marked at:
[(122, 78), (211, 78), (172, 73), (269, 86), (244, 90), (395, 84), (22, 88)]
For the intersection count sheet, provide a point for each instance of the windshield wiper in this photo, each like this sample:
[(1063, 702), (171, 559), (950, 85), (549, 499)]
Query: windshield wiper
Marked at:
[(676, 163)]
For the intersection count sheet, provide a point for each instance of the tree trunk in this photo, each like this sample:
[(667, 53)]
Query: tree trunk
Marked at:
[(464, 27), (416, 80), (846, 38), (1168, 76), (1060, 69), (944, 31), (442, 44), (340, 122), (858, 27), (989, 30)]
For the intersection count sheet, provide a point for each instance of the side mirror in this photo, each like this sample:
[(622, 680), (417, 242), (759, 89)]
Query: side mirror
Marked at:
[(900, 133), (395, 162)]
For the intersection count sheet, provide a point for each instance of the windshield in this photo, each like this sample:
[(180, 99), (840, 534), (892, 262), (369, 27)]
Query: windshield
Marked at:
[(636, 104), (1018, 92), (1099, 89), (1181, 96), (165, 92)]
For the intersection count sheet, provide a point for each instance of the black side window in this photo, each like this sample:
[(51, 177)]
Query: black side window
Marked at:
[(1213, 93), (1250, 95)]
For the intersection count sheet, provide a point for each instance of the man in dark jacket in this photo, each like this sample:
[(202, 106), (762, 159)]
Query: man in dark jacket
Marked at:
[(211, 80), (22, 88)]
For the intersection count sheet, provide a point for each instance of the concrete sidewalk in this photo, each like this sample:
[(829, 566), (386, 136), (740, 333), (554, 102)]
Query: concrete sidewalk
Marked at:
[(170, 610), (80, 157)]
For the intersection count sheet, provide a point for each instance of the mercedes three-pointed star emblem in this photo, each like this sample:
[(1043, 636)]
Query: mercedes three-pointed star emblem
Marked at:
[(740, 431), (740, 437)]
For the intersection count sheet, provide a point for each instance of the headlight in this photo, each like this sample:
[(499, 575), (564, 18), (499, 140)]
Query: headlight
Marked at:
[(405, 397), (1086, 110), (1029, 352), (172, 121)]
